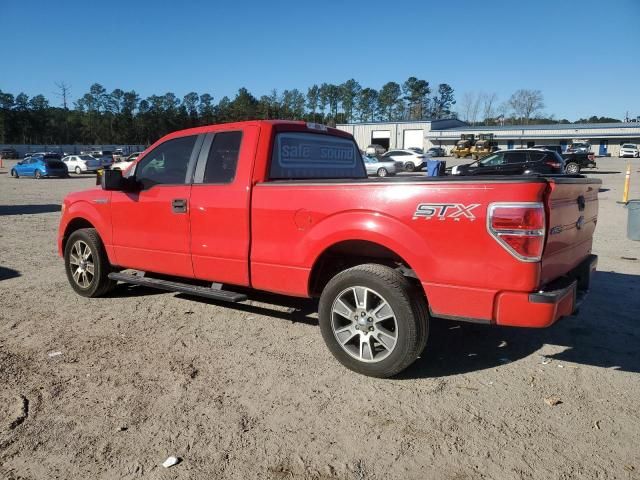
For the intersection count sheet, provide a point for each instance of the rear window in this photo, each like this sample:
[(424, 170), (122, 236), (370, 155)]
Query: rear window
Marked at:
[(54, 163), (307, 155)]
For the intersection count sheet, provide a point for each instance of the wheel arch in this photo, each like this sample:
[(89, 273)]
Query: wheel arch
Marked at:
[(346, 254)]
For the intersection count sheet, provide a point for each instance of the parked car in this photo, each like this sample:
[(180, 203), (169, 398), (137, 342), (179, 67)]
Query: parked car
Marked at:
[(411, 161), (125, 162), (9, 153), (629, 150), (81, 163), (295, 214), (436, 152), (375, 149), (379, 166), (514, 162), (106, 159), (574, 162), (39, 166)]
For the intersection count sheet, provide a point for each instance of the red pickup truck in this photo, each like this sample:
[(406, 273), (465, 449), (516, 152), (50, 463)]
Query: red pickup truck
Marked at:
[(287, 207)]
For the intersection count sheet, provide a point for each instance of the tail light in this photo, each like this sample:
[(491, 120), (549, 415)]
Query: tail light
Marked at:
[(553, 164), (519, 228), (591, 156)]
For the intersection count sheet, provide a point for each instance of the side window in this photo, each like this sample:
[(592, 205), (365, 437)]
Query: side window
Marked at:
[(536, 156), (492, 160), (223, 158), (167, 163), (515, 157)]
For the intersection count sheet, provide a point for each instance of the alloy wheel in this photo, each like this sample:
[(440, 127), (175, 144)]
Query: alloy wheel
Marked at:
[(81, 264), (364, 324)]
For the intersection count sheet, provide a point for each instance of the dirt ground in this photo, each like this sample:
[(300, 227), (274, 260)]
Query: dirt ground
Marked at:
[(109, 388)]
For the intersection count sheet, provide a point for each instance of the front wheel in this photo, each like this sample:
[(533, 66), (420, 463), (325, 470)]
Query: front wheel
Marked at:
[(572, 168), (86, 264), (373, 320), (14, 174), (382, 172), (409, 167)]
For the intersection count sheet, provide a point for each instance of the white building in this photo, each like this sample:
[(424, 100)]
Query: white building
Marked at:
[(605, 138)]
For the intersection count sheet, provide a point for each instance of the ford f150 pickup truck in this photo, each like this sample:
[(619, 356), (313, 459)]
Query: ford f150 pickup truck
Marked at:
[(287, 207)]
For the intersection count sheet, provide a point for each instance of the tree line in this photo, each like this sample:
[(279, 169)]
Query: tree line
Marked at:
[(124, 117), (522, 107)]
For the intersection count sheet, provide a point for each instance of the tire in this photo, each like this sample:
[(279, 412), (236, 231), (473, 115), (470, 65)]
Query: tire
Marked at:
[(382, 172), (409, 166), (37, 175), (78, 171), (14, 174), (572, 168), (77, 263), (406, 329)]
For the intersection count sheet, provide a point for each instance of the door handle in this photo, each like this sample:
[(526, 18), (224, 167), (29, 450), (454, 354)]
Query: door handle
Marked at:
[(179, 205)]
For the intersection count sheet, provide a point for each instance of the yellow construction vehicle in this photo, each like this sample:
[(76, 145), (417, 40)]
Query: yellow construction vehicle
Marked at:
[(484, 146), (463, 146)]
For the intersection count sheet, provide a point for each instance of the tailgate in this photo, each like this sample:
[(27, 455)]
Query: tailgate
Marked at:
[(572, 213)]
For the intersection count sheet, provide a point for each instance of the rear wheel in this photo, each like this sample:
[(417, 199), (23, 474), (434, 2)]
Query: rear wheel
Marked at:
[(373, 320), (37, 175), (409, 166), (86, 264), (78, 171), (382, 172), (14, 174), (572, 168)]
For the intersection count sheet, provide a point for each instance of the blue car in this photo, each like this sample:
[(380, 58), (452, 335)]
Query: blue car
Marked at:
[(40, 165)]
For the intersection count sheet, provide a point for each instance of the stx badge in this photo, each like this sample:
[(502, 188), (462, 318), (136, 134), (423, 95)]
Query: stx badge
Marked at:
[(442, 211)]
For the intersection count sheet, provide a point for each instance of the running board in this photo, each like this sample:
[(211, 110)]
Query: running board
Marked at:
[(215, 294)]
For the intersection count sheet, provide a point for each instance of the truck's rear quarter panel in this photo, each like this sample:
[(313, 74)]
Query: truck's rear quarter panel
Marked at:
[(461, 267)]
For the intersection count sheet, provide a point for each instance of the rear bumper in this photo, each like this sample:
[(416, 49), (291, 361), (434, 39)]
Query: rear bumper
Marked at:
[(544, 307)]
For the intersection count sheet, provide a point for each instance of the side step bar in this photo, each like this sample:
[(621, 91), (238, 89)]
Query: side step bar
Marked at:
[(223, 295)]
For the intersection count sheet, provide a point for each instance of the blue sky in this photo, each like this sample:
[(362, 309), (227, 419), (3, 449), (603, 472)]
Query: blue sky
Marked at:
[(583, 55)]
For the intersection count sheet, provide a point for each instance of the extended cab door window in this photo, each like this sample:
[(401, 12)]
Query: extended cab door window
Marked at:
[(222, 159), (167, 164)]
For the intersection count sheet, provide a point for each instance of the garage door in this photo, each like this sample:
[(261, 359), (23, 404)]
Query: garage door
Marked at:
[(381, 137), (413, 139)]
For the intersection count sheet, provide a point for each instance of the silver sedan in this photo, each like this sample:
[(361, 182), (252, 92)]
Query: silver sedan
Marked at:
[(377, 167)]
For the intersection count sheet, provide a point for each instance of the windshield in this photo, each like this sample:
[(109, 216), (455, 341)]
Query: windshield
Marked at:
[(311, 155), (628, 145)]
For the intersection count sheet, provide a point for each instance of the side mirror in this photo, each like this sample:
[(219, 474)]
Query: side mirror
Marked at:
[(112, 180)]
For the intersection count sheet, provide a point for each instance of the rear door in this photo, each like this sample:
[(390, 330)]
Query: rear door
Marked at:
[(151, 226), (220, 206), (572, 212), (514, 163)]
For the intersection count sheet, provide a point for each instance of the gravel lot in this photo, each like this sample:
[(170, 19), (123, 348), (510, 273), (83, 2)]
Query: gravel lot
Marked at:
[(252, 392)]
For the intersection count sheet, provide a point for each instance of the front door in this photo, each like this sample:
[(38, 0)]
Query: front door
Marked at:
[(26, 167), (151, 224), (604, 145)]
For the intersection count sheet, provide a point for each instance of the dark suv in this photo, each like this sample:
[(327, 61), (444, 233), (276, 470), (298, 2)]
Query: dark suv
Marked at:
[(9, 153), (514, 162), (573, 161)]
